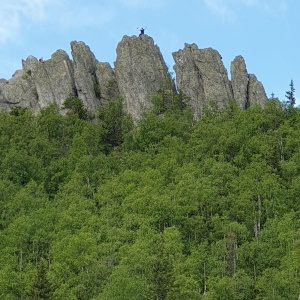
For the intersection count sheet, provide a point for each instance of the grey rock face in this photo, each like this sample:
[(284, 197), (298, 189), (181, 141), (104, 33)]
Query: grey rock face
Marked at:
[(106, 78), (256, 92), (85, 65), (53, 78), (140, 72), (40, 83), (201, 76), (247, 90), (239, 81), (18, 91)]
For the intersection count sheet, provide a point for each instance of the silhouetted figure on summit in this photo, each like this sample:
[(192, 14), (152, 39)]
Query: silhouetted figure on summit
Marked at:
[(142, 30)]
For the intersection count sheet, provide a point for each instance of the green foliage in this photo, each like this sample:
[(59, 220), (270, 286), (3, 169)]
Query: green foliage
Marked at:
[(76, 106), (167, 99), (169, 209), (40, 287), (111, 88), (290, 95), (17, 111), (97, 88), (154, 128), (115, 123)]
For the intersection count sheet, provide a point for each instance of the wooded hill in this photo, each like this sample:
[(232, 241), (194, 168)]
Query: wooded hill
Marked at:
[(95, 208)]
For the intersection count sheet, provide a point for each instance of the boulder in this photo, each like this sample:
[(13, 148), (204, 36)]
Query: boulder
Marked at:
[(202, 77), (140, 71)]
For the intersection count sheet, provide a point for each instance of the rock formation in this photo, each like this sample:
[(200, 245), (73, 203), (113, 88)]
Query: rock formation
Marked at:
[(202, 77), (40, 83), (85, 65), (140, 71), (18, 91), (107, 81), (256, 92), (247, 90), (53, 79), (239, 81)]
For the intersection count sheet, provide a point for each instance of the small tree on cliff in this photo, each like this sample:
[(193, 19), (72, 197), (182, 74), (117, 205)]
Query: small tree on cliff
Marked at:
[(76, 106), (290, 95)]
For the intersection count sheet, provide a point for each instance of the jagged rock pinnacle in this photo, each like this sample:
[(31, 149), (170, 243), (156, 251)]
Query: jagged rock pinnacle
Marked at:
[(139, 72), (247, 90), (201, 76)]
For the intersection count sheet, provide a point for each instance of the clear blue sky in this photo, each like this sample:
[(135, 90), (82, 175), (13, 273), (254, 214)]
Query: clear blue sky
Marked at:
[(264, 32)]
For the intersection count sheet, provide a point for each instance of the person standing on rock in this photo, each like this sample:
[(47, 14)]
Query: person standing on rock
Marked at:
[(142, 30)]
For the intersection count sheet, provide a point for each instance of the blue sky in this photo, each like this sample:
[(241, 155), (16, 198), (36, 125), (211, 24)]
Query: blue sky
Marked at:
[(264, 32)]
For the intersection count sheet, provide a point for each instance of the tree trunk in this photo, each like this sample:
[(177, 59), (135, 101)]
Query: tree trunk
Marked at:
[(230, 255), (204, 280), (257, 223)]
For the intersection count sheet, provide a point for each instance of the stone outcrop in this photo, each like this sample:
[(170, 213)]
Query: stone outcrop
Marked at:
[(239, 81), (201, 76), (247, 90), (107, 82), (95, 81), (53, 78), (85, 65), (140, 71), (256, 92), (18, 91), (40, 83)]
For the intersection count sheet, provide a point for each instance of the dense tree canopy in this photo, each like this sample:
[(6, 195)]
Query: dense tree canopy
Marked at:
[(169, 209)]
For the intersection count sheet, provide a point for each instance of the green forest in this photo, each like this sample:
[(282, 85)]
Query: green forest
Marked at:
[(95, 208)]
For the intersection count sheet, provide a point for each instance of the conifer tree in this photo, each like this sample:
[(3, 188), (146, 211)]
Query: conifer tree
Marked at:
[(290, 95), (40, 288)]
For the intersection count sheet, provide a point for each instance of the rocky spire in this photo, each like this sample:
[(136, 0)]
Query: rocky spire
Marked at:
[(85, 66), (239, 81), (201, 76), (53, 78), (247, 90), (140, 71), (256, 92)]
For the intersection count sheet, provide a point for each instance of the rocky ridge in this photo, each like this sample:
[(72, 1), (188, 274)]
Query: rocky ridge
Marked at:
[(139, 72)]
